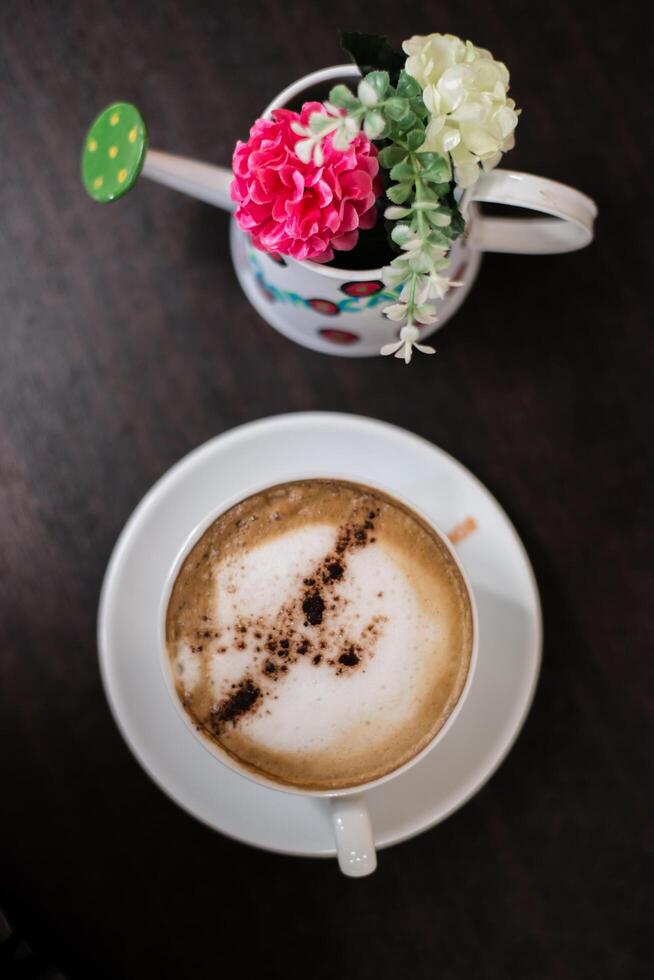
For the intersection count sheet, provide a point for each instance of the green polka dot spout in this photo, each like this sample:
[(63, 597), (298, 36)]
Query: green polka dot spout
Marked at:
[(114, 151)]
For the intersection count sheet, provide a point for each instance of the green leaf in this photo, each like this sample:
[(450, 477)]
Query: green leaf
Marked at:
[(419, 262), (343, 98), (436, 168), (319, 121), (407, 87), (379, 81), (396, 108), (440, 217), (415, 138), (428, 194), (403, 171), (407, 122), (394, 214), (440, 190), (374, 124), (373, 51), (399, 193), (433, 219), (366, 94), (390, 156), (400, 234), (419, 107), (458, 224), (438, 238)]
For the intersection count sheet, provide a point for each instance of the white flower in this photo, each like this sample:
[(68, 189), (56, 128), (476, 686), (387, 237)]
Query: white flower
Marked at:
[(320, 125), (374, 124), (367, 94), (310, 145), (465, 91), (347, 130), (396, 273), (437, 286), (403, 348), (396, 312), (424, 314), (422, 311)]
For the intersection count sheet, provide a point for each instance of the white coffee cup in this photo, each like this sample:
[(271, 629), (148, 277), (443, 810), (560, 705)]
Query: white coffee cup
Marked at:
[(353, 832), (339, 311)]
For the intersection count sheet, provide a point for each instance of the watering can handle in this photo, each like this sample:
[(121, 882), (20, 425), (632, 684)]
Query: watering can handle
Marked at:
[(564, 216)]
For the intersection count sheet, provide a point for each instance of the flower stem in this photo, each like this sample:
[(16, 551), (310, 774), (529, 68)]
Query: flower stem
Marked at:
[(422, 232), (420, 217), (411, 302)]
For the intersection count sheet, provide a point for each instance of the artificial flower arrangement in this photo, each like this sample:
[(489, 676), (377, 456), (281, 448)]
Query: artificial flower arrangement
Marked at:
[(410, 141)]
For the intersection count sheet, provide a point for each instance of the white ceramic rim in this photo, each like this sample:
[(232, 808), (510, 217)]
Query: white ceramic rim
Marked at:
[(475, 781), (224, 757)]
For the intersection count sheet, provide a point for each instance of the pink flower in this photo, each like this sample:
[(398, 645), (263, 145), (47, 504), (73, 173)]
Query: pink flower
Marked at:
[(300, 209)]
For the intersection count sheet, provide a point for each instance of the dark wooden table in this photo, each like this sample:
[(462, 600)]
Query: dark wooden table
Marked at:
[(126, 341)]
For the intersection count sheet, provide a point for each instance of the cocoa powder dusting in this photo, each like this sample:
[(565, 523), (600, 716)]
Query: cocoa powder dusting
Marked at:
[(236, 705), (313, 608), (349, 658), (278, 640), (334, 572)]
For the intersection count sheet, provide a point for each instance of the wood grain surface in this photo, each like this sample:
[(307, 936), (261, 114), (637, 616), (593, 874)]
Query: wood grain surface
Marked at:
[(126, 341)]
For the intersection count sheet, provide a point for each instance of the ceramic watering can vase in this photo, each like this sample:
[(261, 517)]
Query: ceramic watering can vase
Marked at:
[(335, 310)]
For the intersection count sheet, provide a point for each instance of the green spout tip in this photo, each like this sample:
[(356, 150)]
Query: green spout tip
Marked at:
[(114, 151)]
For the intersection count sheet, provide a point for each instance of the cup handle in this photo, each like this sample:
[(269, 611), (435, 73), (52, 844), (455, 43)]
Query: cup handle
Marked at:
[(569, 227), (353, 835)]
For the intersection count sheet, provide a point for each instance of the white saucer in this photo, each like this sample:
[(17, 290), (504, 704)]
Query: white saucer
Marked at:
[(364, 449)]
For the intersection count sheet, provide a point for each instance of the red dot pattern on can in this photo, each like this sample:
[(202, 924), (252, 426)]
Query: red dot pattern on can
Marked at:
[(265, 292), (362, 288), (324, 306), (341, 337)]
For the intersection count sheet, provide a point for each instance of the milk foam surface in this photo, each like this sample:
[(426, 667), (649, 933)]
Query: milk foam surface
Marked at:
[(321, 634)]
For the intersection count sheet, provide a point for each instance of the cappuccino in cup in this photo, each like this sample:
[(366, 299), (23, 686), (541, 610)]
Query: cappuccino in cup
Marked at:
[(320, 633)]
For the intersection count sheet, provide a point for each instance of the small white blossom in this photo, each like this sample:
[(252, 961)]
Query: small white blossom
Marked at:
[(396, 273), (396, 312), (425, 314), (343, 128), (374, 124), (437, 286), (417, 272), (420, 259), (367, 94), (309, 146), (465, 90), (403, 348), (401, 234)]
